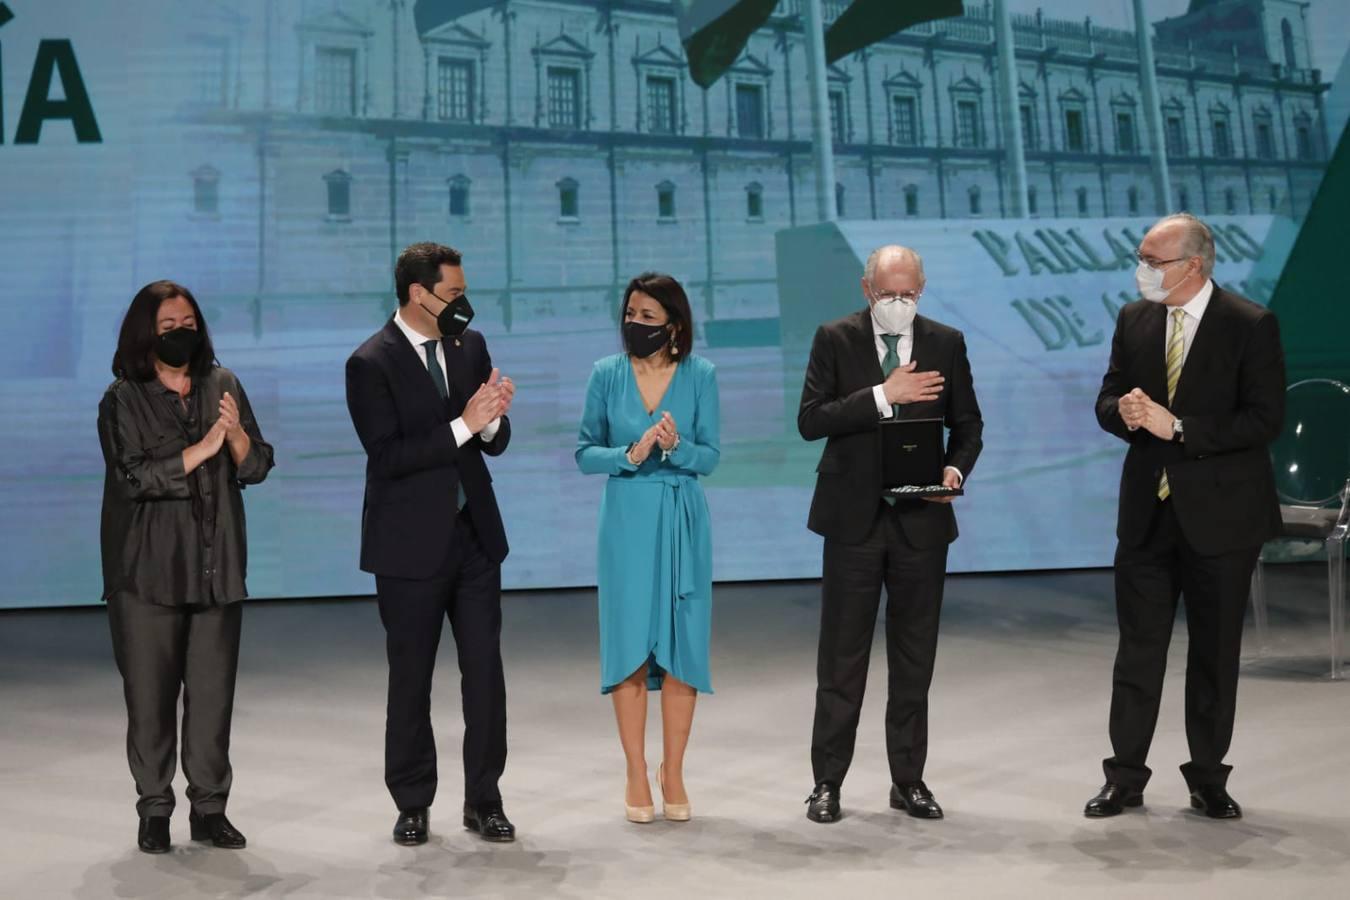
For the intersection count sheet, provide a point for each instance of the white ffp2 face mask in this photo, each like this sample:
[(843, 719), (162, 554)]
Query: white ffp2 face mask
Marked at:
[(895, 316), (1149, 281)]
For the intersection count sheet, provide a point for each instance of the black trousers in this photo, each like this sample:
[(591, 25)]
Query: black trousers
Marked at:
[(160, 649), (1149, 580), (853, 575), (468, 592)]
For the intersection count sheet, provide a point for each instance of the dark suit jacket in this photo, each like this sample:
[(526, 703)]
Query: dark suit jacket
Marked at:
[(412, 464), (838, 404), (1230, 400)]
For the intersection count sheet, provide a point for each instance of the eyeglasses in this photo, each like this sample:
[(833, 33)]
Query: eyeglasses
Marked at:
[(1156, 263), (890, 297)]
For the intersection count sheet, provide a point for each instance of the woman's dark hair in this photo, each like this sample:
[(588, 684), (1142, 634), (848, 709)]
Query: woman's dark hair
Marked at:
[(666, 291), (421, 264), (135, 356)]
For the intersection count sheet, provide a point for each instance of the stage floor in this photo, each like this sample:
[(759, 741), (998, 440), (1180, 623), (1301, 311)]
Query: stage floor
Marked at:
[(1018, 724)]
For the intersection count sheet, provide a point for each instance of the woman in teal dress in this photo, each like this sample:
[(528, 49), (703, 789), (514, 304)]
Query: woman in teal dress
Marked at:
[(651, 424)]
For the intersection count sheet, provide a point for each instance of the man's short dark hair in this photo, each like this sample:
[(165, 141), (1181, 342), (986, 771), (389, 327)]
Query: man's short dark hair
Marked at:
[(421, 264)]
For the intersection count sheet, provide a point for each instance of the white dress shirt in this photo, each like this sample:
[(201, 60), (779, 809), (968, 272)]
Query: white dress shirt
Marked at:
[(1190, 323), (458, 427), (904, 348)]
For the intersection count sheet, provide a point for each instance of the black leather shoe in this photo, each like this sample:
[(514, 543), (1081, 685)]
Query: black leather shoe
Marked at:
[(490, 822), (1213, 799), (412, 827), (1111, 800), (214, 827), (153, 834), (823, 804), (916, 799)]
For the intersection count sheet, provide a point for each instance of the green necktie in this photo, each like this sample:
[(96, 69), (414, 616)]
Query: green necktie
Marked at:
[(889, 363), (438, 379)]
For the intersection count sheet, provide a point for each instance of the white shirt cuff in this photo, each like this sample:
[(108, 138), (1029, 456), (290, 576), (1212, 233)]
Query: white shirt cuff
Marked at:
[(489, 431), (960, 479), (883, 408), (461, 431)]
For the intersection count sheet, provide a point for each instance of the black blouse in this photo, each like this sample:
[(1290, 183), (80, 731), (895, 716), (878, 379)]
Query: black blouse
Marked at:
[(170, 537)]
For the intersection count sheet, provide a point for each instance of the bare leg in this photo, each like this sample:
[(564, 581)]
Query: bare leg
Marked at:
[(630, 709), (677, 719)]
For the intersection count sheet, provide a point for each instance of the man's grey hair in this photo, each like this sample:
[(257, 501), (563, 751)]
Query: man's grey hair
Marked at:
[(886, 254), (1196, 240)]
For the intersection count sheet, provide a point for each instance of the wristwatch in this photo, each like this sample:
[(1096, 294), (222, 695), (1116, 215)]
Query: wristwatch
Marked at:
[(1178, 434)]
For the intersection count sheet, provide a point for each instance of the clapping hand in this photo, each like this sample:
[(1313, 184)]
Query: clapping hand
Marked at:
[(229, 417), (666, 433), (490, 401)]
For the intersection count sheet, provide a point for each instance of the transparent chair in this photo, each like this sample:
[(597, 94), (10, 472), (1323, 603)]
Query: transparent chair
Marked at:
[(1312, 477)]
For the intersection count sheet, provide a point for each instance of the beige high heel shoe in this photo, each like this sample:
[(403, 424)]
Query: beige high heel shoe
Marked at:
[(673, 812), (638, 815)]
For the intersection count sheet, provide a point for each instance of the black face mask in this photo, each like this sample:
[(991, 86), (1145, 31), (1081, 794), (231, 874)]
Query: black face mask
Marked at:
[(455, 317), (644, 340), (175, 348)]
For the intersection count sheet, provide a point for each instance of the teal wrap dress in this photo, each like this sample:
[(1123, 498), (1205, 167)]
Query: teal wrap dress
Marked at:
[(655, 539)]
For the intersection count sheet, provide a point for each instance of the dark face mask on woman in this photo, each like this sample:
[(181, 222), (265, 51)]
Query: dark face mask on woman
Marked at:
[(175, 348), (455, 317), (643, 340)]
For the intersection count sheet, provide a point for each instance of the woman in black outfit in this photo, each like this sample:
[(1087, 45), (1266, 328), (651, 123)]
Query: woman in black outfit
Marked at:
[(180, 442)]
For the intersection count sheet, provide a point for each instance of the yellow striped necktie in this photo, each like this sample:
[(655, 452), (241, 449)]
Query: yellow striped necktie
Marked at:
[(1176, 345)]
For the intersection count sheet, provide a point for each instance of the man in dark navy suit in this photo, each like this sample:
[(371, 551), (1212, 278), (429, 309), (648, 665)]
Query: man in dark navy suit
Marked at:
[(428, 407), (1195, 386)]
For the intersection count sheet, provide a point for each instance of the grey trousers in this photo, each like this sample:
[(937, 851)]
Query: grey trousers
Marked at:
[(160, 649)]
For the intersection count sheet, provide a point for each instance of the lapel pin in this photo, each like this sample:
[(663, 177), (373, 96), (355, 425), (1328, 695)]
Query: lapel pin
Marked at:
[(457, 343)]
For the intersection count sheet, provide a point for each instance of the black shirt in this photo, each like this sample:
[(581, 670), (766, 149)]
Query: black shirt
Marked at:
[(170, 537)]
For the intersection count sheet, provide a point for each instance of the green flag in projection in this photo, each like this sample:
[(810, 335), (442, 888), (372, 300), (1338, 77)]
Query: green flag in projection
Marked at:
[(714, 33), (429, 14), (867, 21), (1310, 296)]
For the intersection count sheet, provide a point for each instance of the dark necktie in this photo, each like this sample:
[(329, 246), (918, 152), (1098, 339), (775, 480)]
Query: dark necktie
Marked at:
[(889, 363), (438, 379)]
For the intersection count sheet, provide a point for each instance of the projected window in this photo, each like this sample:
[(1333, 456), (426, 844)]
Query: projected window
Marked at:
[(1273, 199), (211, 60), (905, 120), (1075, 133), (1027, 116), (1223, 140), (339, 188), (459, 197), (976, 208), (569, 207), (1264, 134), (564, 97), (1032, 206), (838, 118), (206, 191), (1132, 200), (1229, 201), (754, 201), (839, 206), (1125, 136), (455, 83), (911, 200), (1174, 134), (665, 201), (1082, 198), (967, 123), (1303, 139), (1183, 199), (335, 81), (750, 111), (660, 104)]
